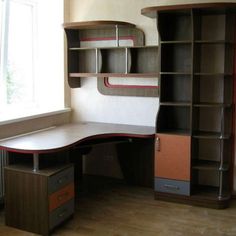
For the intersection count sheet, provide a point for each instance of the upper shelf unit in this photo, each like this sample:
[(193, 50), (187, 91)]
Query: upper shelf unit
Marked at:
[(108, 49)]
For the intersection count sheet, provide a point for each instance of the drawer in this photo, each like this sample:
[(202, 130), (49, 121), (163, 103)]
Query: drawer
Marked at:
[(63, 195), (172, 186), (60, 214), (60, 179)]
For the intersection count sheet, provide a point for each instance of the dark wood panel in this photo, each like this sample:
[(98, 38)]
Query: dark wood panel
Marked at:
[(26, 201), (195, 200), (220, 6), (96, 24), (137, 162)]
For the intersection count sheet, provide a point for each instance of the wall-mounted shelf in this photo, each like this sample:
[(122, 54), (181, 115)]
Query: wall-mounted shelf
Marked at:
[(115, 62), (116, 51)]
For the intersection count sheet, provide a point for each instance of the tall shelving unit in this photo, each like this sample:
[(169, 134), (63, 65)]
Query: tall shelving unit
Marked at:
[(194, 140)]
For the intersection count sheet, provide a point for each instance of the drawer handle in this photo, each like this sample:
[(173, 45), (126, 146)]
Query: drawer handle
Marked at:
[(62, 179), (62, 214), (170, 186), (62, 196), (158, 144)]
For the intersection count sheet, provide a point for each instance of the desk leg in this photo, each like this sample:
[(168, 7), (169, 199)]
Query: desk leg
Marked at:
[(76, 159), (36, 162)]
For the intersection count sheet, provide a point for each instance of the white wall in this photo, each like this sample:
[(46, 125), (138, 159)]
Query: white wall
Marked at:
[(87, 103)]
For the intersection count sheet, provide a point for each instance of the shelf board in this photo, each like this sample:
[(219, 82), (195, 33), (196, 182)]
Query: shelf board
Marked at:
[(176, 42), (175, 73), (115, 47), (174, 131), (185, 104), (99, 24), (207, 192), (81, 49), (209, 165), (207, 7), (213, 74), (213, 42), (219, 105), (210, 135), (135, 75)]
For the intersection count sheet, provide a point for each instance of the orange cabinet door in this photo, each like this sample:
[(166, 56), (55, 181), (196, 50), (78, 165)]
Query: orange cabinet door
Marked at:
[(172, 157)]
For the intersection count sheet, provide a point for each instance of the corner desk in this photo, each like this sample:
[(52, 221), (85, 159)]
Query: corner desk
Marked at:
[(40, 179)]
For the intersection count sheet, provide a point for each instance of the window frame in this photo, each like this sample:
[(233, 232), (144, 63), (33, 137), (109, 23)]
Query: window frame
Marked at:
[(4, 34)]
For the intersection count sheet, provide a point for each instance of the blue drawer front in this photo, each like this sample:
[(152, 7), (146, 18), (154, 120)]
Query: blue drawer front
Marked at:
[(172, 186)]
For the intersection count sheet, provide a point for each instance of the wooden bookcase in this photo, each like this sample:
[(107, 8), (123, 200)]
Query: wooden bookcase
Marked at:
[(195, 118), (108, 61)]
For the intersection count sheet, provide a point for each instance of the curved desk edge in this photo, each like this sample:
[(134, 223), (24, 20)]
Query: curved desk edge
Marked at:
[(63, 137)]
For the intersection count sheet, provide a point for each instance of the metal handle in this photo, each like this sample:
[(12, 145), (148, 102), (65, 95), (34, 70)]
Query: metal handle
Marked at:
[(170, 186), (158, 144), (62, 179), (62, 214), (62, 196), (117, 36)]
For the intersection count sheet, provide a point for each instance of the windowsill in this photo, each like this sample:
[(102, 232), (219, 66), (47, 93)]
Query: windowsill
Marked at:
[(34, 116)]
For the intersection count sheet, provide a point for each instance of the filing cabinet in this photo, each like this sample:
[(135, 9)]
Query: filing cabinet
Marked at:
[(38, 201)]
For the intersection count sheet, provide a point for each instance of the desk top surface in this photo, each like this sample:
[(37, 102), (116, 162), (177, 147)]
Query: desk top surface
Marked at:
[(64, 136)]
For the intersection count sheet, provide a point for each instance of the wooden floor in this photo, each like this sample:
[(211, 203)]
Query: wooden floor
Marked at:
[(120, 210)]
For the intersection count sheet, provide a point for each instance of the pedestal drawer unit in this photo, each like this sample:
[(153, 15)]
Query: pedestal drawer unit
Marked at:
[(38, 201)]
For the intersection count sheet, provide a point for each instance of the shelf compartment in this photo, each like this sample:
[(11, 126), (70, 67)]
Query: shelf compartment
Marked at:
[(209, 165), (173, 119), (209, 153), (212, 119), (175, 88), (77, 31), (144, 59), (176, 58), (215, 89), (213, 58), (205, 192), (213, 26), (138, 61), (114, 61), (175, 26), (212, 183), (83, 61)]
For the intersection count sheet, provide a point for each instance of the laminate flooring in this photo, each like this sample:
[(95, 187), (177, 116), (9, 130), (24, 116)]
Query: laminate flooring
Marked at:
[(115, 209)]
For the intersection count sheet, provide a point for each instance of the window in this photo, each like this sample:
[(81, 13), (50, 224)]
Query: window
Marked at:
[(31, 63)]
